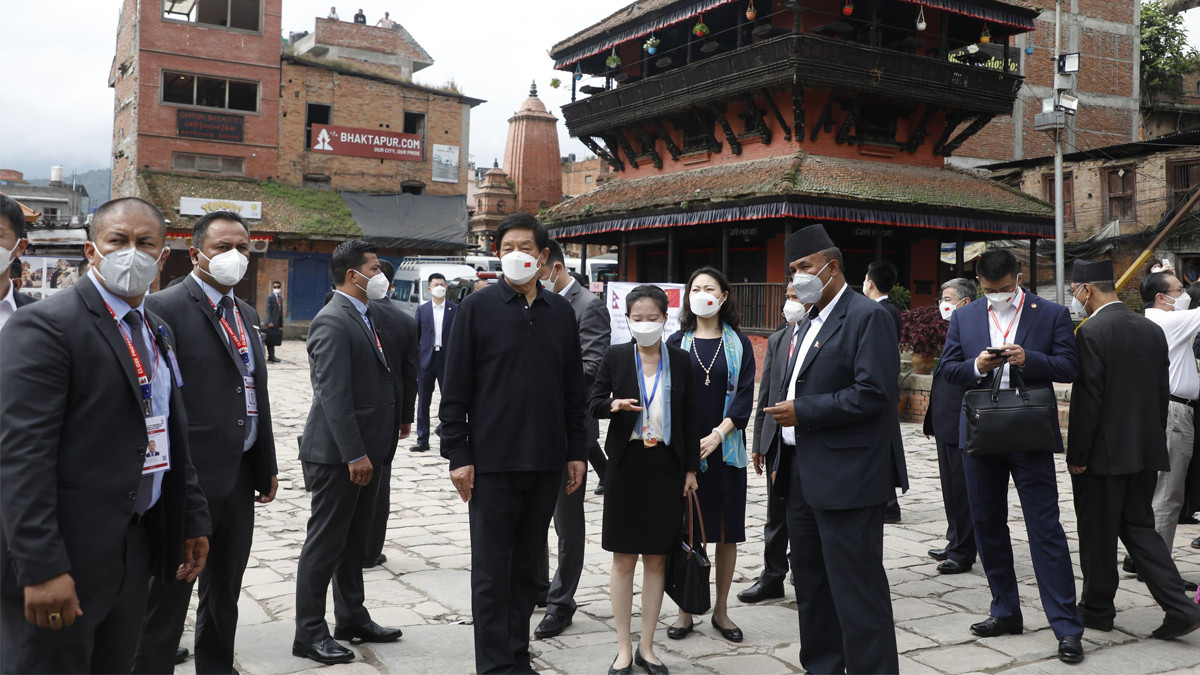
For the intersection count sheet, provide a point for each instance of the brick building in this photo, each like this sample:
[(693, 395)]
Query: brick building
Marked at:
[(743, 121), (326, 141), (1168, 113), (1105, 33), (585, 175)]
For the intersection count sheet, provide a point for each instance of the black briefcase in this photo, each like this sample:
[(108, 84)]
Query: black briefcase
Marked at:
[(1002, 421)]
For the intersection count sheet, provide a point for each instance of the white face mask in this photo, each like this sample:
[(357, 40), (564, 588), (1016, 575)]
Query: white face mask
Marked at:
[(6, 256), (808, 287), (227, 268), (127, 272), (438, 292), (704, 304), (519, 267), (377, 286), (277, 291), (1077, 309), (793, 311), (1002, 301), (1182, 303), (647, 333), (946, 309), (548, 284)]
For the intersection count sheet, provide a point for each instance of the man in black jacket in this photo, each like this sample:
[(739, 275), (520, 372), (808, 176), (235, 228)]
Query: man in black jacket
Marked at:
[(942, 421), (1116, 444), (351, 429), (273, 331), (12, 245), (89, 511), (229, 435)]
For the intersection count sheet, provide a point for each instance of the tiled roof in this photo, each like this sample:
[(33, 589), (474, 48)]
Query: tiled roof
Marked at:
[(286, 210), (863, 183)]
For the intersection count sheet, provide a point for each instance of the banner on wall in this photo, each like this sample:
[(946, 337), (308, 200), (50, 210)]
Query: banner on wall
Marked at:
[(614, 299), (42, 277)]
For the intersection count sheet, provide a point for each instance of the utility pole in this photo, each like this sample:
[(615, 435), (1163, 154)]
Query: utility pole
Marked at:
[(1059, 256)]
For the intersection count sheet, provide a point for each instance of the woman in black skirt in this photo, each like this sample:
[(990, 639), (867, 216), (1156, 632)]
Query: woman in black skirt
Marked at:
[(653, 447), (723, 363)]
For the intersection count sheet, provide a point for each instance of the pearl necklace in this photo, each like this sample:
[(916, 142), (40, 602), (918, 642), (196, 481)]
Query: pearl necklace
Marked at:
[(708, 370)]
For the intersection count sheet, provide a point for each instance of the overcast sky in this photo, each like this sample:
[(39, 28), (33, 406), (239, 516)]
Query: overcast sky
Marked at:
[(57, 107)]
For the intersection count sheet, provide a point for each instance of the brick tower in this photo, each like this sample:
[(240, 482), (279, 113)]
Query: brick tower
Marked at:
[(531, 156)]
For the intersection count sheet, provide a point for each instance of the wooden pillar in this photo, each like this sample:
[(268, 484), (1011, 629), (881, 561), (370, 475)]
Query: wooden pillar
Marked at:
[(741, 22), (725, 250), (1033, 270), (574, 84), (623, 258), (958, 255), (878, 244), (672, 254)]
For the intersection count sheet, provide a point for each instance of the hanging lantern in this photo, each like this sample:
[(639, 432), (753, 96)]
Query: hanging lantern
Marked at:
[(578, 72), (985, 37), (921, 24), (848, 8), (751, 12), (700, 29)]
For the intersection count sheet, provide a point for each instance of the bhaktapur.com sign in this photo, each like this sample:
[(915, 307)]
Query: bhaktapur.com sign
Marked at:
[(198, 206), (373, 143)]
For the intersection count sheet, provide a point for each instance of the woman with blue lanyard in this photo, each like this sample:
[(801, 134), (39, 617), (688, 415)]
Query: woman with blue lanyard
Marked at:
[(723, 364), (653, 447)]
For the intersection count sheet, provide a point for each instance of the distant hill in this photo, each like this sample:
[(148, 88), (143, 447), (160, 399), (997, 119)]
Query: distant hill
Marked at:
[(98, 183)]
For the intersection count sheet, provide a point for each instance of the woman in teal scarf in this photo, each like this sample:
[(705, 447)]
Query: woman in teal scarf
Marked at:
[(723, 365)]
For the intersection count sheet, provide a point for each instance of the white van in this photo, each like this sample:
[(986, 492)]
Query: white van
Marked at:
[(599, 268), (483, 263), (412, 279)]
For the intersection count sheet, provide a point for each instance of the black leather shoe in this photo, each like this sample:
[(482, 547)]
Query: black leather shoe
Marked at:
[(181, 655), (760, 591), (1095, 622), (892, 517), (551, 626), (680, 632), (952, 567), (326, 650), (652, 668), (1174, 626), (374, 562), (991, 627), (1189, 586), (368, 632), (1196, 542), (732, 634), (420, 447), (1070, 649), (938, 553), (1188, 519), (613, 670), (599, 489), (1128, 567)]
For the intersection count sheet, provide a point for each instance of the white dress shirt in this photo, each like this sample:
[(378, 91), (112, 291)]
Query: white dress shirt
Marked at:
[(806, 342), (8, 305), (1002, 330), (567, 288), (439, 315), (1181, 329), (214, 296), (653, 415)]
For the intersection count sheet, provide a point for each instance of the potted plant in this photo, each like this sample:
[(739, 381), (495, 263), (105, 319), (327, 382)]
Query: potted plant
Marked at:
[(613, 61), (751, 12), (651, 45), (700, 29), (924, 332), (555, 83)]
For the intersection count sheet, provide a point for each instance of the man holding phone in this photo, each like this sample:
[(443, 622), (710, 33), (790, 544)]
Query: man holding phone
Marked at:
[(988, 338)]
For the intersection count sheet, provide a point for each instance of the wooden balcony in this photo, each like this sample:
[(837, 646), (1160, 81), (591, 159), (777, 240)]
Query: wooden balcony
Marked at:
[(819, 62)]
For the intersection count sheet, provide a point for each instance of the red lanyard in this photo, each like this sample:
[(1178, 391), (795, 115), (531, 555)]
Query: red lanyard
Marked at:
[(1006, 331), (239, 338), (144, 380)]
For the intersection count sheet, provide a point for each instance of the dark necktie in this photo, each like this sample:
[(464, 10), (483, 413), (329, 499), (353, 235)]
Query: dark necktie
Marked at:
[(375, 335), (133, 322), (225, 310)]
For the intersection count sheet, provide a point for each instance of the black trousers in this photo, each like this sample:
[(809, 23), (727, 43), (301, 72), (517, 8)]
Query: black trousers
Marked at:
[(383, 509), (101, 641), (843, 599), (220, 586), (1112, 507), (510, 516), (960, 531), (569, 525), (333, 550), (775, 535), (425, 381)]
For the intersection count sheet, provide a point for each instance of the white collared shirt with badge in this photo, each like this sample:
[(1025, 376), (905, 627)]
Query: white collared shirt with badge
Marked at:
[(807, 343)]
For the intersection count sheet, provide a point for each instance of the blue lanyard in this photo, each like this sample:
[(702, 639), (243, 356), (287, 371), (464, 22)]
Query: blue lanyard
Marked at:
[(657, 373)]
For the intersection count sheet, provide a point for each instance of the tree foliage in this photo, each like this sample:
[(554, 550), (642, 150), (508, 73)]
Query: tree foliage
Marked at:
[(1166, 55)]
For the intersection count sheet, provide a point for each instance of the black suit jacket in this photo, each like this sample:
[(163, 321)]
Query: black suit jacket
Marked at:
[(766, 429), (425, 329), (353, 411), (617, 378), (886, 303), (944, 412), (22, 299), (74, 440), (274, 311), (848, 448), (212, 391), (1119, 400), (398, 333)]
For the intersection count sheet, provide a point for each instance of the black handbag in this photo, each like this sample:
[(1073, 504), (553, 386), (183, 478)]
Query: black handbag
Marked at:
[(688, 567), (1003, 421)]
